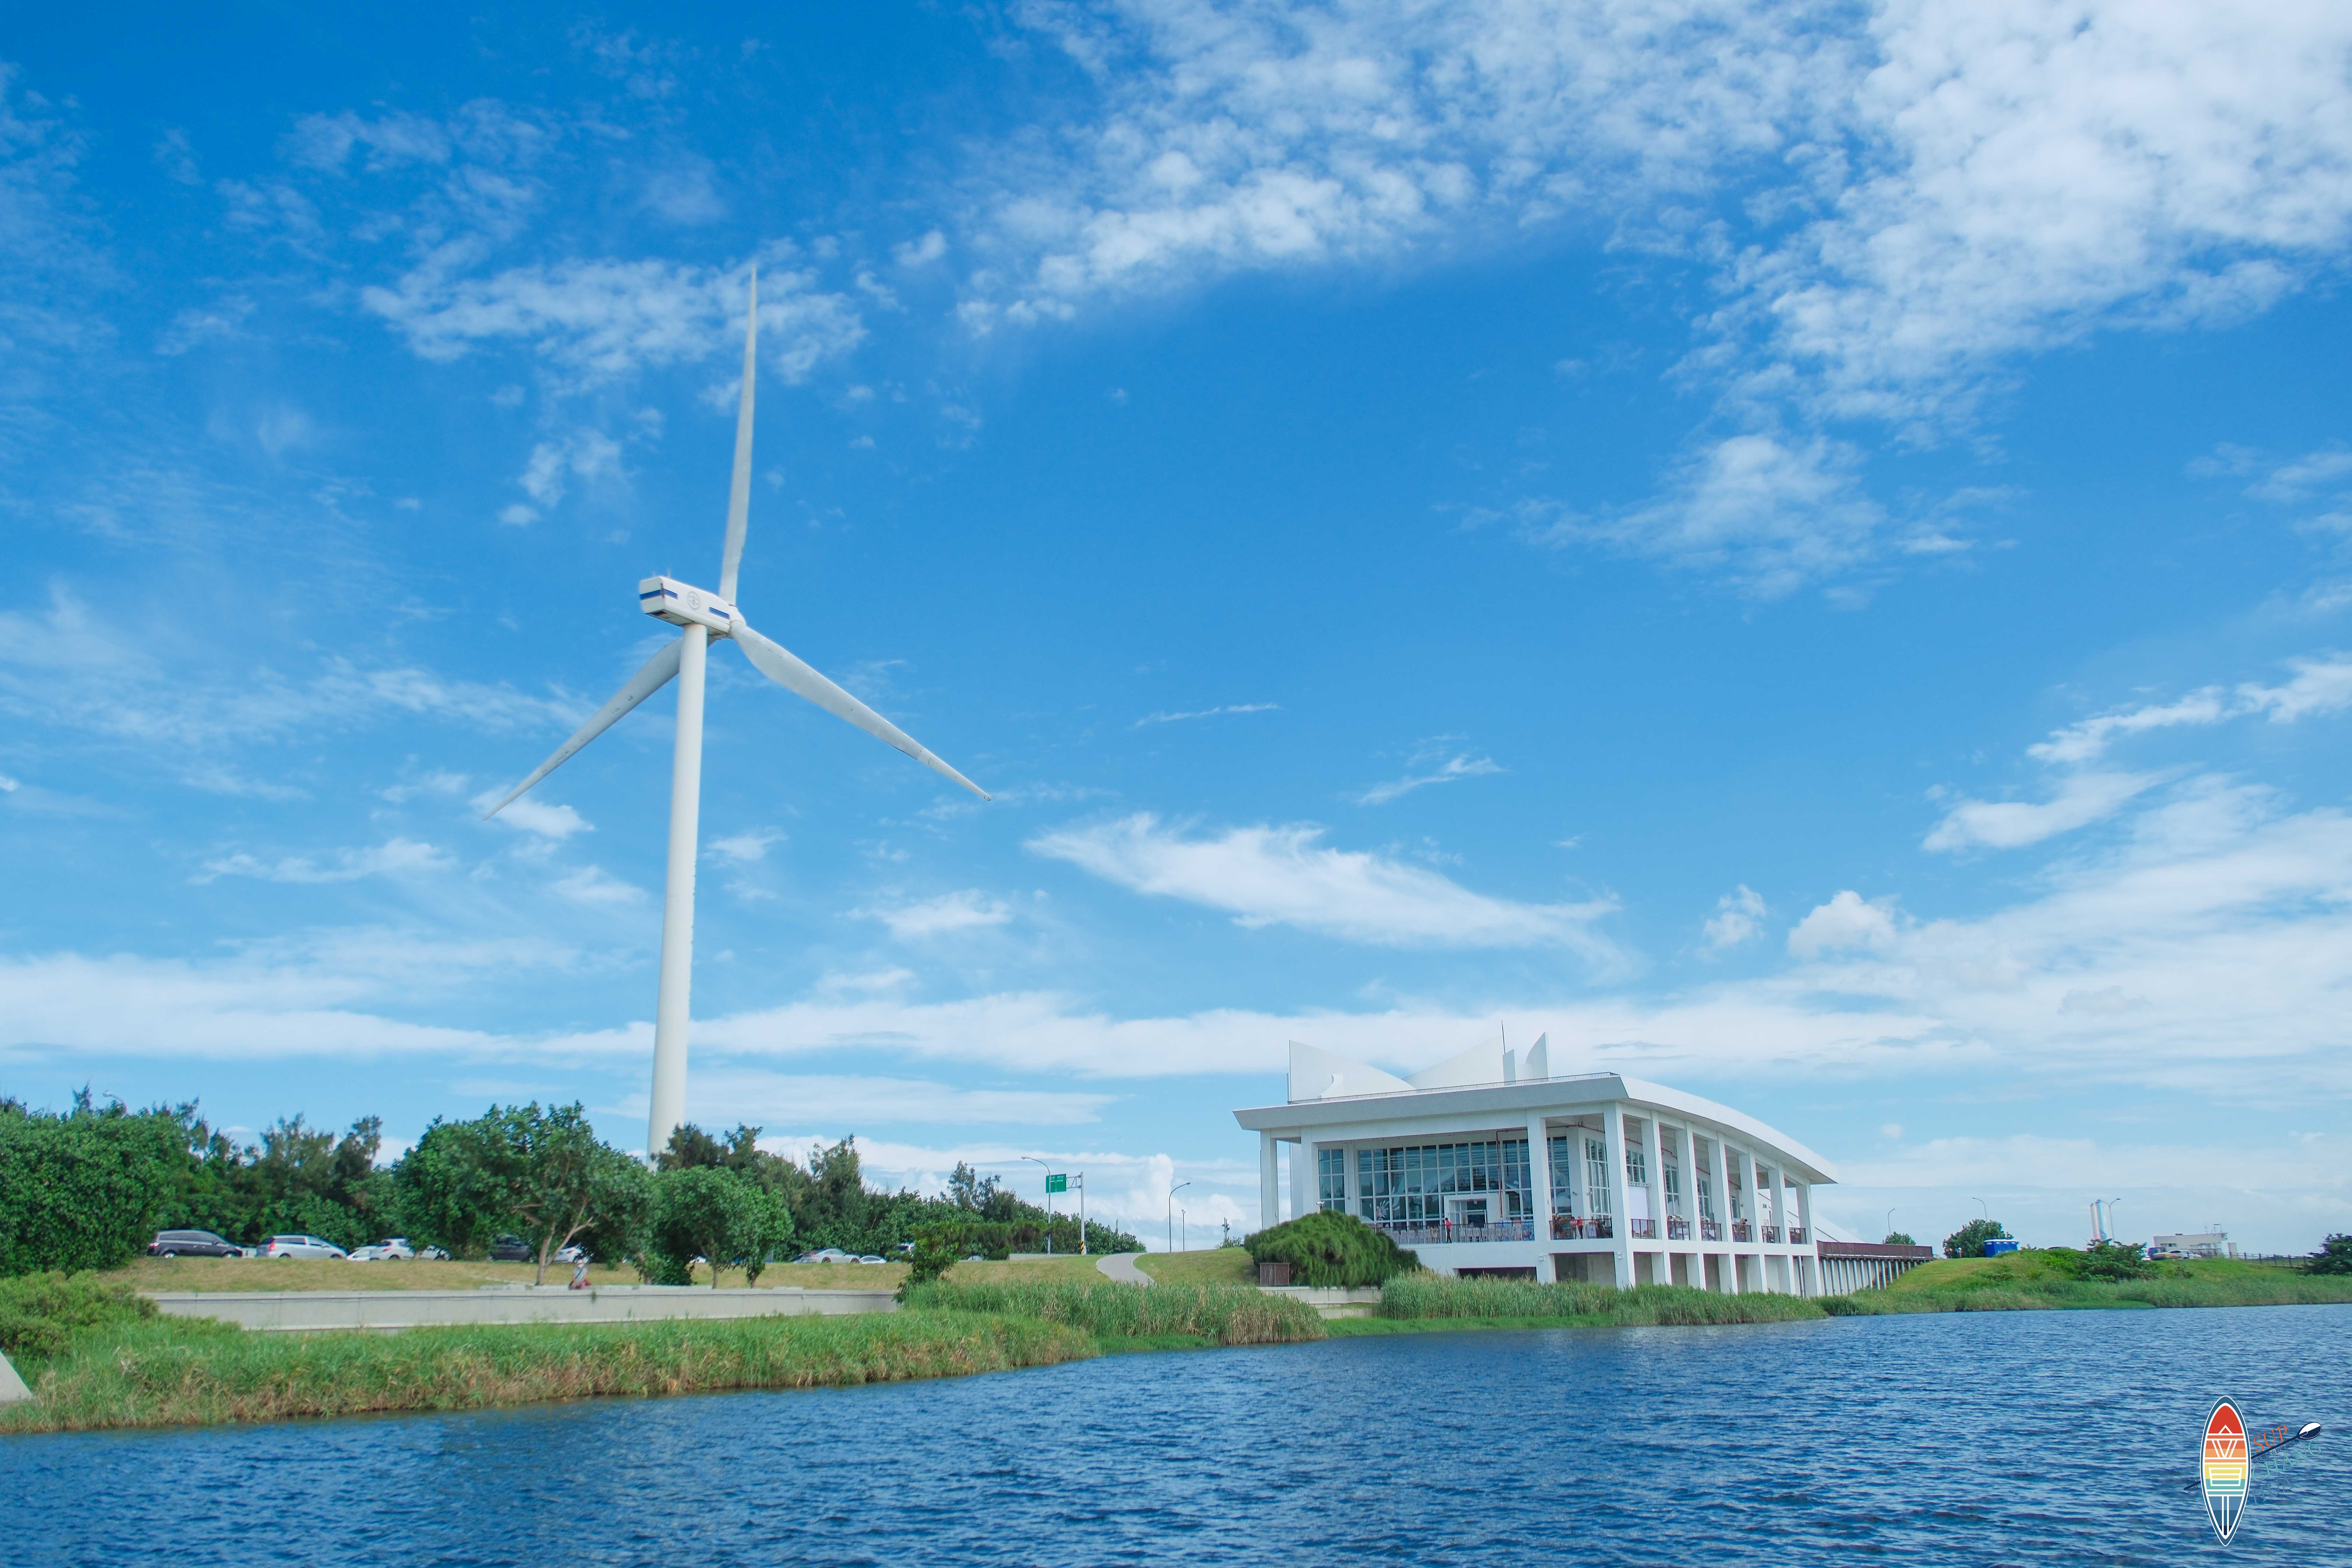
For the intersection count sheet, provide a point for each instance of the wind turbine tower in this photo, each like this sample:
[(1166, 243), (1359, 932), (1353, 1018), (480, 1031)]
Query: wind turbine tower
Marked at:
[(702, 615)]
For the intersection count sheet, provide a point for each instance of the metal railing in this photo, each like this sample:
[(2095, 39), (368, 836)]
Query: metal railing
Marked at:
[(1710, 1230), (1648, 1227), (1796, 1235), (1743, 1230), (1447, 1232), (1569, 1227), (1772, 1233), (1677, 1228)]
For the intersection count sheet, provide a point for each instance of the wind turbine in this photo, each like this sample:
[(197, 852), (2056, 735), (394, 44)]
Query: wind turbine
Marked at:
[(704, 615)]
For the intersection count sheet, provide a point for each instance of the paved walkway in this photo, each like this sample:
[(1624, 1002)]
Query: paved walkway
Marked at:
[(1120, 1266)]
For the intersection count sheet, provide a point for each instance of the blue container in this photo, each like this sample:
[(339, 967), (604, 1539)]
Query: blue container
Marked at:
[(1995, 1248)]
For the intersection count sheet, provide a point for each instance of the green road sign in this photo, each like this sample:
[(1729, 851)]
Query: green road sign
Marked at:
[(1057, 1184)]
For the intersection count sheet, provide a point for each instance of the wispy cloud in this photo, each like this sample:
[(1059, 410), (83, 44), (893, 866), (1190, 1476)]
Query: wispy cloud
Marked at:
[(939, 916), (1207, 713), (394, 856), (1460, 766), (1284, 875), (1738, 917)]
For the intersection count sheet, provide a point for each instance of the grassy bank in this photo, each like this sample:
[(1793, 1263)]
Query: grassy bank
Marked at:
[(2032, 1281), (1218, 1314), (1215, 1265), (197, 1372), (1427, 1299)]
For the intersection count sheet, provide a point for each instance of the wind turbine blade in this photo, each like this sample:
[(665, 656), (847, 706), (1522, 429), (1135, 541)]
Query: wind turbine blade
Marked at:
[(654, 675), (779, 664), (738, 494)]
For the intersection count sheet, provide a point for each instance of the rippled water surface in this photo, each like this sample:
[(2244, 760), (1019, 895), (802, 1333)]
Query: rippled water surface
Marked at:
[(1967, 1439)]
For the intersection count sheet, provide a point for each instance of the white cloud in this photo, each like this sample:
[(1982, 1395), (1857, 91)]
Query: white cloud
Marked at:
[(939, 916), (1845, 923), (754, 1095), (1282, 876), (2087, 741), (1738, 917), (535, 816), (595, 886), (393, 857), (600, 320), (1208, 712), (2081, 799), (745, 847), (1452, 770)]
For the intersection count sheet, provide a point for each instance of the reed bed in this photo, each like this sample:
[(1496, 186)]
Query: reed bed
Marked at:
[(197, 1372), (1227, 1314), (1428, 1296)]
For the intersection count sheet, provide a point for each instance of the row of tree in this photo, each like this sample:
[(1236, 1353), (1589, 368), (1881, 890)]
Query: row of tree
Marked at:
[(88, 1187)]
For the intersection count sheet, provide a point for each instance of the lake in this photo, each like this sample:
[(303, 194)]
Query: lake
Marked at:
[(1972, 1438)]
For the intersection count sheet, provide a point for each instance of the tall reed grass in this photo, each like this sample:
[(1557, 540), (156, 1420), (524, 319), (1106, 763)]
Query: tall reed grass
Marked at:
[(1431, 1296), (1229, 1314), (194, 1372)]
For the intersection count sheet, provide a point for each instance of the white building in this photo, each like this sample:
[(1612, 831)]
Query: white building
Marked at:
[(2213, 1243), (1486, 1163)]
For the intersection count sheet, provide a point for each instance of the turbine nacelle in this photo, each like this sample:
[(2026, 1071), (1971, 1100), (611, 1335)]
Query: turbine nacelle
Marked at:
[(683, 604)]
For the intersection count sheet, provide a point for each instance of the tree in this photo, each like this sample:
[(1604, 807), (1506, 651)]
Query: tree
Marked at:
[(2333, 1256), (1898, 1238), (456, 1185), (1970, 1239), (83, 1190), (711, 1213), (563, 1179)]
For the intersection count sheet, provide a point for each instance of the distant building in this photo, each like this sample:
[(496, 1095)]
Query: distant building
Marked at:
[(2202, 1244), (1485, 1163)]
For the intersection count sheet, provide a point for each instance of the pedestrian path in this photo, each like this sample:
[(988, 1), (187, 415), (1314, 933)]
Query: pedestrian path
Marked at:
[(1120, 1266)]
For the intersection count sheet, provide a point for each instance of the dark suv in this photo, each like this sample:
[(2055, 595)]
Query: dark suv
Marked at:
[(512, 1250), (192, 1244)]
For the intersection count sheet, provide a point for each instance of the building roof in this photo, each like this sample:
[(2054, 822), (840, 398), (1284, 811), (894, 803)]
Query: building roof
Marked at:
[(1490, 1084)]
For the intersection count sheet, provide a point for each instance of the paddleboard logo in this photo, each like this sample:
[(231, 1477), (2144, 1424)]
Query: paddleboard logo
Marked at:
[(2226, 1467)]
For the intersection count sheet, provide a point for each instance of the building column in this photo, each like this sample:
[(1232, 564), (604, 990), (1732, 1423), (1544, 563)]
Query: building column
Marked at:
[(1351, 1181), (1580, 1193), (1734, 1162), (1612, 1135), (1539, 1179), (1779, 1219), (1808, 1285), (1654, 1167), (1686, 1148), (1269, 1182), (1306, 1189)]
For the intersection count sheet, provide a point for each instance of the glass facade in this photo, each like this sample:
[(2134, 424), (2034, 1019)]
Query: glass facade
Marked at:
[(1426, 1184), (1637, 1168), (1331, 1178), (1674, 1189), (1596, 1177), (1561, 1201)]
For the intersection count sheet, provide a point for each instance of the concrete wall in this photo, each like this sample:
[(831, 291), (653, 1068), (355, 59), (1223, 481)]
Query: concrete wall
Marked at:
[(296, 1309)]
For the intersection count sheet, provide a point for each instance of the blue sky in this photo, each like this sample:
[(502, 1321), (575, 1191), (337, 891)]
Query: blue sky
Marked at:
[(1801, 551)]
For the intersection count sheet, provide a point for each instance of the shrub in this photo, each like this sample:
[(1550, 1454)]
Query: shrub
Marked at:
[(1328, 1249), (40, 1313), (2333, 1256), (1970, 1239), (709, 1211)]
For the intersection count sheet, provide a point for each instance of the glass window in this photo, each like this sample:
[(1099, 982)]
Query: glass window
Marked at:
[(1409, 1185), (1637, 1168), (1596, 1176), (1331, 1178), (1674, 1189), (1561, 1189)]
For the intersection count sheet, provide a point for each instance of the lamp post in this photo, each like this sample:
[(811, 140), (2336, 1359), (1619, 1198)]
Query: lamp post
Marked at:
[(1981, 1205), (1049, 1203), (1171, 1213), (1890, 1222)]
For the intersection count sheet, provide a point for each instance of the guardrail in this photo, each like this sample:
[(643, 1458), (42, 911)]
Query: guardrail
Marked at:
[(1569, 1227)]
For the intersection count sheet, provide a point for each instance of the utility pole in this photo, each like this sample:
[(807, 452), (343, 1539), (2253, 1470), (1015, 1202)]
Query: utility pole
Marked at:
[(1082, 1214)]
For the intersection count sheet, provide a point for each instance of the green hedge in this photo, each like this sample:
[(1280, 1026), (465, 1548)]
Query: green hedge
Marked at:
[(1332, 1249), (83, 1190), (40, 1313)]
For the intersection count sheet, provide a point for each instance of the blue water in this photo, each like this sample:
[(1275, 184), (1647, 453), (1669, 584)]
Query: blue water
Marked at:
[(1969, 1438)]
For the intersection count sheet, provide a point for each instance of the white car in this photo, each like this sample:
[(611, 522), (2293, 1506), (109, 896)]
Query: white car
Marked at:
[(869, 1258), (827, 1255), (390, 1247), (302, 1246)]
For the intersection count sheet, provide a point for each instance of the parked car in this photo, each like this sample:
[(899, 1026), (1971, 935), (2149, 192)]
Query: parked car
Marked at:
[(869, 1258), (390, 1247), (433, 1254), (302, 1246), (192, 1244), (827, 1255), (571, 1255), (512, 1250)]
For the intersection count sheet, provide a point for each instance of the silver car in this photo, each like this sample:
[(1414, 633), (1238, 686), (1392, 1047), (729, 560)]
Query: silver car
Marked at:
[(302, 1246)]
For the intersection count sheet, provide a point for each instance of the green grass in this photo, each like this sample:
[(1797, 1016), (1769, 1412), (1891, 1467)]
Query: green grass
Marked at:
[(1217, 1265), (1525, 1303), (1226, 1315), (197, 1372), (2034, 1280)]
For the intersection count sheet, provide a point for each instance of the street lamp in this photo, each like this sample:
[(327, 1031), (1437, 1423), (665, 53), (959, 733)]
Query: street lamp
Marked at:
[(1980, 1204), (1171, 1213), (1049, 1204), (1890, 1222)]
